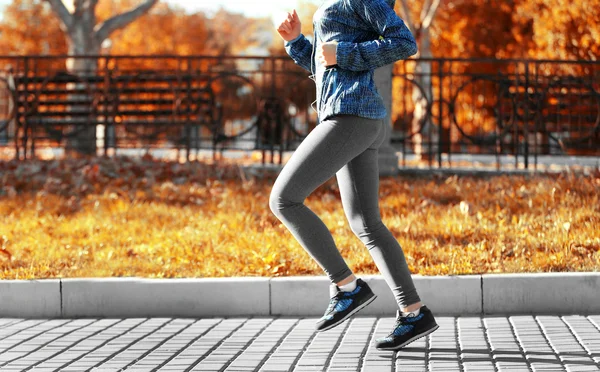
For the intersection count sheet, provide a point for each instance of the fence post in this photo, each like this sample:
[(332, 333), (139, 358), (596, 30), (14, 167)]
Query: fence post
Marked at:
[(441, 134), (25, 105), (106, 100), (388, 159), (13, 109), (526, 118)]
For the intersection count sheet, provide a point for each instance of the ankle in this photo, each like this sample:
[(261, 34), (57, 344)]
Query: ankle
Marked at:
[(349, 286), (414, 309), (349, 279)]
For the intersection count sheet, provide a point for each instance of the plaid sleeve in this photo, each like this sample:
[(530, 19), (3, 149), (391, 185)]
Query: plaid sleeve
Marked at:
[(300, 49), (396, 41)]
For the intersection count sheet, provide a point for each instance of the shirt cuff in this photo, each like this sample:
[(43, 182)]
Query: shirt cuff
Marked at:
[(293, 40)]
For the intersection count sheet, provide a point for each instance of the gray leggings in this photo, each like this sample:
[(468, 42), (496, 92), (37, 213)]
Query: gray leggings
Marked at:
[(347, 146)]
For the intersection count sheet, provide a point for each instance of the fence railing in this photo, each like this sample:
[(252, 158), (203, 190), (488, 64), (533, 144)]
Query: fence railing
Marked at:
[(524, 109), (442, 109)]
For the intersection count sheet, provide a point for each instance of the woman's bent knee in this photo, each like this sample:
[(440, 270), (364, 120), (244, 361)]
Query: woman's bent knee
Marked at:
[(363, 231), (275, 203), (278, 204)]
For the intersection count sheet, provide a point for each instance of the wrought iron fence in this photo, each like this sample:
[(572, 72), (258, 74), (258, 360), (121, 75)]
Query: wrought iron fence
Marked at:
[(442, 109), (521, 109)]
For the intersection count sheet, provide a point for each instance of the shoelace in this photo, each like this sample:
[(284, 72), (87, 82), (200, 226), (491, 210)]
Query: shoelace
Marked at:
[(333, 302), (401, 321)]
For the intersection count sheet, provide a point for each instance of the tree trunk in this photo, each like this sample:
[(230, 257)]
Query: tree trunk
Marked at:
[(426, 140), (82, 41)]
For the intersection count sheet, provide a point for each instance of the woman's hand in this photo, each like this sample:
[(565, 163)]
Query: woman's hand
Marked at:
[(326, 53), (290, 28)]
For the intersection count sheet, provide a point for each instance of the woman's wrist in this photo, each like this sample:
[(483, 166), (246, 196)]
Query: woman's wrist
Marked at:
[(294, 39)]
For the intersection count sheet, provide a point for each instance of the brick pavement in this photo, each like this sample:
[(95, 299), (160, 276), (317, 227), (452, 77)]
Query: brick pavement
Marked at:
[(464, 344)]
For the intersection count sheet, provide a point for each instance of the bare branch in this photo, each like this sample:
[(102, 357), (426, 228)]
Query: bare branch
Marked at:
[(85, 4), (424, 9), (78, 8), (117, 22), (407, 16), (430, 14), (59, 8), (86, 9)]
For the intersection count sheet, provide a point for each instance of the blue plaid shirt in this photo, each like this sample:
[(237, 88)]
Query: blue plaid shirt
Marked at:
[(370, 35)]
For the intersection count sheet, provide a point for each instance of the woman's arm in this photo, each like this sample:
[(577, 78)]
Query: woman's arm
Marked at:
[(300, 49), (397, 41)]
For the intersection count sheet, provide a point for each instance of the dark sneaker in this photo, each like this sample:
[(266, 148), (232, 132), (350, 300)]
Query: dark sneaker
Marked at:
[(408, 329), (345, 304)]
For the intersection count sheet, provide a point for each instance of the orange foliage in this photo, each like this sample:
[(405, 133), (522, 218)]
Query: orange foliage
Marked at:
[(163, 31), (30, 27), (478, 28), (126, 217), (562, 29), (461, 28)]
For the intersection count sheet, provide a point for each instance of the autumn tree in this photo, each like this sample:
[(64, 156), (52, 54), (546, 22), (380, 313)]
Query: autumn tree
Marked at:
[(562, 29), (419, 17), (469, 30), (167, 30), (84, 34), (480, 29), (42, 36), (85, 37), (234, 33)]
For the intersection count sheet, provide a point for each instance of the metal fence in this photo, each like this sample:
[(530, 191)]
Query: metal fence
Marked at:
[(519, 109), (443, 110)]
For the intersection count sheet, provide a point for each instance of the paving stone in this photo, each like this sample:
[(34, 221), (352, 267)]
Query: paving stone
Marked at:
[(273, 344)]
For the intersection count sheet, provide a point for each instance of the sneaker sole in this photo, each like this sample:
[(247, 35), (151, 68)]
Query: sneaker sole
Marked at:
[(409, 340), (349, 314)]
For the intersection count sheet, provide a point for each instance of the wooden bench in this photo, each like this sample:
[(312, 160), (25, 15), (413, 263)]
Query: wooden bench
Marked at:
[(138, 109)]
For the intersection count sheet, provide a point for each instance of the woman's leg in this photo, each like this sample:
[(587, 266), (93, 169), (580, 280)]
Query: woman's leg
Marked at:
[(326, 149), (359, 189)]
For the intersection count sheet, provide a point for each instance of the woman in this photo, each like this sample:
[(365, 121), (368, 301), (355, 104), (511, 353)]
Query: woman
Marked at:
[(351, 39)]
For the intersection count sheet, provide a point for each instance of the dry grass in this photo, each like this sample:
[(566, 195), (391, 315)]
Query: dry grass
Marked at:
[(123, 217)]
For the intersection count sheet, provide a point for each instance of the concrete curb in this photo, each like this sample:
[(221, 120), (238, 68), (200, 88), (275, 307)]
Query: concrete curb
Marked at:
[(488, 294), (30, 298), (543, 293), (448, 294), (140, 297)]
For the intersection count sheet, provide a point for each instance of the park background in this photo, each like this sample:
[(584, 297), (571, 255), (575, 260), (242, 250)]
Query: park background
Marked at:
[(149, 216)]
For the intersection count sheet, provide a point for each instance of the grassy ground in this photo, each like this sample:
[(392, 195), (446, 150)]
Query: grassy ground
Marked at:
[(125, 217)]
